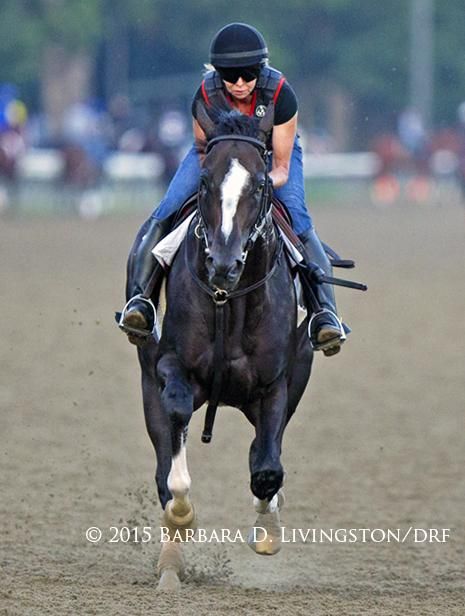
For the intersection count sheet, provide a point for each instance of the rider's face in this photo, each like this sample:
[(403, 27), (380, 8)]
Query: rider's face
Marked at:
[(241, 89)]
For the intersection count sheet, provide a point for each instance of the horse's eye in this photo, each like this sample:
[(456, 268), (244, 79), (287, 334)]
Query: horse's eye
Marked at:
[(261, 186)]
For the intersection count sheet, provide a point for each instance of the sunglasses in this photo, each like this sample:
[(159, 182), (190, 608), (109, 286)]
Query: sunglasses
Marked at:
[(231, 75)]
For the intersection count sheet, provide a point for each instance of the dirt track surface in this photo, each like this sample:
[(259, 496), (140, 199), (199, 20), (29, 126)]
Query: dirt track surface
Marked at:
[(378, 441)]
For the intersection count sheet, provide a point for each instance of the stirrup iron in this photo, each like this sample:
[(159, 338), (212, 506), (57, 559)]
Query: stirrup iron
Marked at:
[(142, 333), (327, 344)]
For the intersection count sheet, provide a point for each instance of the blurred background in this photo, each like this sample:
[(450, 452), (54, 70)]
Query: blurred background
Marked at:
[(95, 96)]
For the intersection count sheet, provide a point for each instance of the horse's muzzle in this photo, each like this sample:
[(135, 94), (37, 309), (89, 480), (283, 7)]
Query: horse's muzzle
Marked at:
[(224, 275)]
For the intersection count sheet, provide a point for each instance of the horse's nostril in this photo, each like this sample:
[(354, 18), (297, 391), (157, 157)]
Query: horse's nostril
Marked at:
[(222, 274), (234, 271)]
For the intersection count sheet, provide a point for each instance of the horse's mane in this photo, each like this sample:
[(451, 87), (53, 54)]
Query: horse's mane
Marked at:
[(230, 122), (235, 123)]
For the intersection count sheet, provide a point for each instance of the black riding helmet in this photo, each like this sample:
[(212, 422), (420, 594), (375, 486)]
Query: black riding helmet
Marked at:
[(238, 45)]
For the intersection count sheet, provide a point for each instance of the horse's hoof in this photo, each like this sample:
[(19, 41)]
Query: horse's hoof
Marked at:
[(169, 581), (266, 540)]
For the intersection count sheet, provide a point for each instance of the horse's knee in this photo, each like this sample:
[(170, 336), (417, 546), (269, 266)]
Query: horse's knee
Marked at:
[(178, 402)]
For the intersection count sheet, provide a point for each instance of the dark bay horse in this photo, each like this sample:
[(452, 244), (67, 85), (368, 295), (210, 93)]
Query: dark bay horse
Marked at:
[(230, 290)]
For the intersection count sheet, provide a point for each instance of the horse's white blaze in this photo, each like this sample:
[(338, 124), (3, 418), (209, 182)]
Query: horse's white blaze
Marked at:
[(179, 480), (233, 184)]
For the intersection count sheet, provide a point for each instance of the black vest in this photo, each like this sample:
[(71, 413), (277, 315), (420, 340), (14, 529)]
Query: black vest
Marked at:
[(267, 86)]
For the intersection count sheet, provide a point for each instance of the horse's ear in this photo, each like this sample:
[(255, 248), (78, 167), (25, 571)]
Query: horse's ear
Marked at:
[(266, 123), (205, 121)]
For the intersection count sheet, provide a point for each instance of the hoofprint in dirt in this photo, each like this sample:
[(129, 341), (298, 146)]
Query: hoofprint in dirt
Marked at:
[(378, 441)]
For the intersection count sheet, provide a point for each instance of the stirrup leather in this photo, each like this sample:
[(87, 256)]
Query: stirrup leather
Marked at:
[(143, 333), (341, 337)]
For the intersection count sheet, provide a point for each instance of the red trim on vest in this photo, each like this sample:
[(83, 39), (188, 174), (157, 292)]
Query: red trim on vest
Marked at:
[(204, 94), (278, 89)]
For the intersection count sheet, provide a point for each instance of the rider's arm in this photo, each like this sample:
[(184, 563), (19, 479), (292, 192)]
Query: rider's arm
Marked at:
[(283, 142)]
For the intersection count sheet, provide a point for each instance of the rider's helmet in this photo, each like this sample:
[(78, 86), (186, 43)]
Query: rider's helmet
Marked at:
[(237, 45)]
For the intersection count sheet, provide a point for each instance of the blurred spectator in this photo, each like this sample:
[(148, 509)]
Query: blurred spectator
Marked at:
[(84, 127), (13, 116), (411, 130), (173, 134), (392, 158), (85, 144), (414, 138), (120, 118), (84, 151)]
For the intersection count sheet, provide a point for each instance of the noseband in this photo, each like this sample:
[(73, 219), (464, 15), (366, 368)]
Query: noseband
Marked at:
[(264, 211)]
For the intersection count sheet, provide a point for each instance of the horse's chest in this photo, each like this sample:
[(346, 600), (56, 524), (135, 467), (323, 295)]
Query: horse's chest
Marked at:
[(242, 380), (243, 376)]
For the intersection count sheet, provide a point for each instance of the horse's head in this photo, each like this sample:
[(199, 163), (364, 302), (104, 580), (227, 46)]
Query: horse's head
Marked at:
[(233, 193)]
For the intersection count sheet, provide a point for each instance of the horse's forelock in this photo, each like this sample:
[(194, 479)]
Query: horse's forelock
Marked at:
[(230, 123), (235, 123)]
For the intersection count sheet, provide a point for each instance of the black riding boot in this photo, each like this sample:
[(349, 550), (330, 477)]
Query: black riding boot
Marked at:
[(325, 329), (144, 277)]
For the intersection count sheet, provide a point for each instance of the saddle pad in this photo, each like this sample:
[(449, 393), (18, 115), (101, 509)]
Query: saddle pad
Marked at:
[(166, 249)]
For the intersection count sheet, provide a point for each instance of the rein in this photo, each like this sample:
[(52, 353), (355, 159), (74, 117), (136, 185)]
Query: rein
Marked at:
[(220, 297)]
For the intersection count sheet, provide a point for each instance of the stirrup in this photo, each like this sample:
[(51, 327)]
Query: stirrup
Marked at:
[(332, 341), (142, 333)]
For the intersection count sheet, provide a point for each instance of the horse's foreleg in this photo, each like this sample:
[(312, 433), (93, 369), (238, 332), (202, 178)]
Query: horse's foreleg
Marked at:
[(265, 451), (179, 516), (171, 561), (158, 426), (179, 513), (301, 370), (266, 470)]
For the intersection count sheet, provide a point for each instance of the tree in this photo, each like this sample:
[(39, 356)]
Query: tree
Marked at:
[(345, 54)]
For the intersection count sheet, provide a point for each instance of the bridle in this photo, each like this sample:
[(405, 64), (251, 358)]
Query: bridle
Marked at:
[(264, 211)]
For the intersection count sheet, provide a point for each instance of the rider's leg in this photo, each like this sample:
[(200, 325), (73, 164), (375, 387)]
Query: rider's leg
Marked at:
[(325, 330), (144, 272)]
